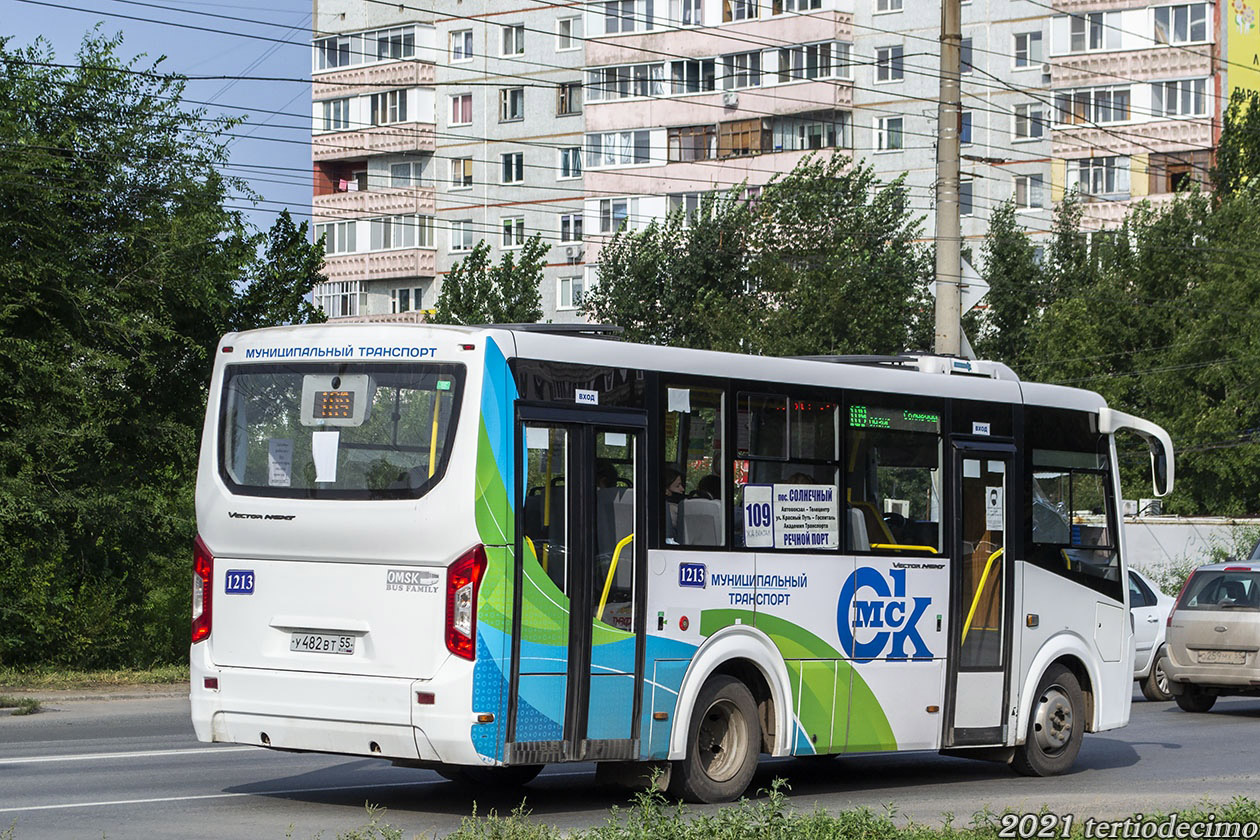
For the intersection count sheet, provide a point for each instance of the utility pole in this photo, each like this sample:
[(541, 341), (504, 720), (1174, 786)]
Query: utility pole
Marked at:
[(948, 227)]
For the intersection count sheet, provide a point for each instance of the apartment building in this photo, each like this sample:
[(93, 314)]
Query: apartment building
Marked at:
[(436, 128)]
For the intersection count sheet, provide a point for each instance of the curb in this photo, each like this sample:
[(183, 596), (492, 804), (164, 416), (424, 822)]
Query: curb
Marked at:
[(122, 692)]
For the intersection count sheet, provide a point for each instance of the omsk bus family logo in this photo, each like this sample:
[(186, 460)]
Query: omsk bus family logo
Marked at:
[(876, 609)]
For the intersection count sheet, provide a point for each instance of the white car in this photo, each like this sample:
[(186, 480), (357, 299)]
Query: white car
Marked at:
[(1150, 608)]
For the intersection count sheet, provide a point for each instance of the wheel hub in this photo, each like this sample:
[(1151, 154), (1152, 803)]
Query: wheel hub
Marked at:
[(721, 740), (1053, 720)]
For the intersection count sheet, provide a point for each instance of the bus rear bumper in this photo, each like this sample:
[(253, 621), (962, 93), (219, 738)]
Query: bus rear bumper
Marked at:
[(334, 713)]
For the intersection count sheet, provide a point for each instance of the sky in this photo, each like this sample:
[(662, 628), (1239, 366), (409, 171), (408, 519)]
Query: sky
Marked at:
[(269, 39)]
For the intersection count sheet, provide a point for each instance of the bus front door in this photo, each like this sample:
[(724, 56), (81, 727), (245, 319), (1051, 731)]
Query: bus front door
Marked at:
[(578, 626), (980, 632)]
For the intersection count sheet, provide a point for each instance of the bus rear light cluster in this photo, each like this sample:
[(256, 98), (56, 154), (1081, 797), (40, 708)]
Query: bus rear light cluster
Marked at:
[(463, 580), (202, 591)]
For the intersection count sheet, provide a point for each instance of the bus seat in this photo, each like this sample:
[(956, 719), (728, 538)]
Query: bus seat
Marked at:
[(700, 522), (858, 539)]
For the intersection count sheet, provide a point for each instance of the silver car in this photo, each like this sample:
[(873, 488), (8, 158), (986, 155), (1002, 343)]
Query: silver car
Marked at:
[(1214, 636), (1150, 608)]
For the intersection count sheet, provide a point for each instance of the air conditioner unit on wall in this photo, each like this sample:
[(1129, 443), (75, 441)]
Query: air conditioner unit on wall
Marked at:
[(730, 99)]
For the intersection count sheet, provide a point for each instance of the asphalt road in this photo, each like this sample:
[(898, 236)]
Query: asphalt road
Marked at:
[(123, 768)]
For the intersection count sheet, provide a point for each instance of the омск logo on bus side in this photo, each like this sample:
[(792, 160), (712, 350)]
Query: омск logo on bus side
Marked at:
[(868, 599)]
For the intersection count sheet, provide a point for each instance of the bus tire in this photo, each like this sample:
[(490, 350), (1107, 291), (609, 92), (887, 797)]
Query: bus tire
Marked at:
[(1194, 700), (1056, 726), (723, 741), (514, 776)]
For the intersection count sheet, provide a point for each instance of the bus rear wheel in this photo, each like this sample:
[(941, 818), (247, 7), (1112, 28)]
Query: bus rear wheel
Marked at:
[(723, 741), (1055, 726)]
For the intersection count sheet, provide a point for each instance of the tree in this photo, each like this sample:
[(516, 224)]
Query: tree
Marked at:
[(1015, 280), (121, 271), (477, 292), (280, 281), (1238, 153), (824, 261)]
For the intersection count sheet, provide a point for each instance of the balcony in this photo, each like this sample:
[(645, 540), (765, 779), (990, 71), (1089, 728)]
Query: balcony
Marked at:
[(1131, 138), (720, 106), (1087, 69), (389, 202), (402, 138), (381, 265), (373, 78)]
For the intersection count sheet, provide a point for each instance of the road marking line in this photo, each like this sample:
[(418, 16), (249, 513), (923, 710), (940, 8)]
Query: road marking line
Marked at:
[(45, 759), (203, 796)]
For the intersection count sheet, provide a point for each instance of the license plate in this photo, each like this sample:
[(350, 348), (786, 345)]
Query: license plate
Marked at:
[(1223, 657), (322, 643)]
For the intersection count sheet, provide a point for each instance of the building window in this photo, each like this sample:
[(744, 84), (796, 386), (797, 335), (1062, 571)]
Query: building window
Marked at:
[(1028, 49), (339, 299), (889, 134), (688, 204), (1093, 31), (334, 52), (778, 7), (511, 104), (692, 75), (461, 45), (405, 300), (395, 44), (1181, 24), (887, 5), (1030, 121), (627, 16), (568, 98), (406, 231), (513, 167), (569, 292), (1099, 176), (568, 34), (1173, 171), (617, 213), (462, 238), (618, 148), (513, 231), (389, 107), (964, 127), (1092, 105), (461, 109), (1030, 192), (338, 237), (461, 173), (609, 83), (965, 195), (1185, 98), (740, 138), (965, 56), (405, 175), (514, 39), (811, 61), (823, 130), (336, 115), (741, 70), (571, 162), (890, 64), (738, 10), (692, 142), (686, 12), (348, 50), (571, 227)]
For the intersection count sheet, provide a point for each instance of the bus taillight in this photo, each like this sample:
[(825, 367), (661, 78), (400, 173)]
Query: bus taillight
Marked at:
[(462, 580), (203, 587)]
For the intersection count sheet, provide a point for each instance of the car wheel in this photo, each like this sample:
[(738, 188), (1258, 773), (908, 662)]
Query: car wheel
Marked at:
[(1055, 726), (514, 776), (1155, 686), (723, 742), (1195, 700)]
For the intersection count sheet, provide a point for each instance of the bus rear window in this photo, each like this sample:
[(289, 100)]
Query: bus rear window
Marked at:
[(347, 431)]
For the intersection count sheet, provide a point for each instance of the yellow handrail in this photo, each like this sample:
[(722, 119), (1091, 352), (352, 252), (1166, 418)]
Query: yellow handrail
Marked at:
[(437, 405), (904, 546), (975, 602), (612, 570)]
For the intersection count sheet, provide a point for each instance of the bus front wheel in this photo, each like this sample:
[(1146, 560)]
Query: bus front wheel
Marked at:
[(723, 741), (1055, 726)]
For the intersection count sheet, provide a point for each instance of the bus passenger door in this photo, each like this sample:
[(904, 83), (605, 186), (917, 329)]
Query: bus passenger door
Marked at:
[(578, 626), (980, 649)]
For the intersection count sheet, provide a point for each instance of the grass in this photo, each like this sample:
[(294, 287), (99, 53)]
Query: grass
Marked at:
[(51, 678), (20, 706)]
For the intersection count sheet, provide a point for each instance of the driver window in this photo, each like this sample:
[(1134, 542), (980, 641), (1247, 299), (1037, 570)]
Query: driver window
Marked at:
[(694, 486)]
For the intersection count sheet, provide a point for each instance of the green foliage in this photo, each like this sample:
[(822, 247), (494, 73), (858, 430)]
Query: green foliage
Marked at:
[(121, 272), (825, 260), (1237, 155), (279, 282), (1015, 281), (20, 705), (477, 292)]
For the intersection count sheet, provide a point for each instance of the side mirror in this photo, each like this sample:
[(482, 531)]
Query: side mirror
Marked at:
[(1159, 467)]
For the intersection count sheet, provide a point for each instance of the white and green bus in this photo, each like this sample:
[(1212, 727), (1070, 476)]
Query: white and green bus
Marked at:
[(487, 549)]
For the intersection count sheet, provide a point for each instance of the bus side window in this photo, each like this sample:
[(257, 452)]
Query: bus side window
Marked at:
[(694, 454), (893, 475)]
